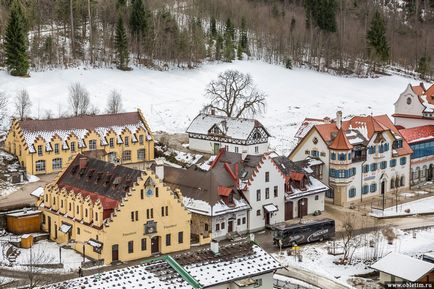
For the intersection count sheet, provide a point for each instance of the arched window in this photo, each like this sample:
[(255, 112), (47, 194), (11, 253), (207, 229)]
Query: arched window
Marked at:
[(352, 193), (40, 166), (365, 189), (373, 188), (408, 100), (397, 182), (392, 183)]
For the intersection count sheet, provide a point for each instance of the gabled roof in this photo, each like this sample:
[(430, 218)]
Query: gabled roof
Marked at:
[(98, 179), (417, 134), (340, 142), (190, 270), (426, 96), (236, 128), (403, 266)]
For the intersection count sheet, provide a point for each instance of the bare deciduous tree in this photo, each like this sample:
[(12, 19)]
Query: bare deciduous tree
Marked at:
[(79, 99), (36, 261), (114, 103), (350, 241), (23, 104), (234, 94)]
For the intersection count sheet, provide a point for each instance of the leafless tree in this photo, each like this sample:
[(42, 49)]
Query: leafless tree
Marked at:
[(350, 241), (35, 263), (79, 99), (23, 104), (3, 109), (234, 94), (114, 103), (48, 114)]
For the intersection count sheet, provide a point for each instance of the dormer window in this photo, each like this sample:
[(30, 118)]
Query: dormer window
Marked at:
[(215, 130), (256, 135)]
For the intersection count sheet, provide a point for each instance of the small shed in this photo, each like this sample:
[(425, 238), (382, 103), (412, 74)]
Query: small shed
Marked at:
[(26, 241), (23, 221), (396, 267)]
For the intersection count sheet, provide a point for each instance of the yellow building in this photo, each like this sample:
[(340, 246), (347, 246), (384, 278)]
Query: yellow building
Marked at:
[(45, 146), (113, 213)]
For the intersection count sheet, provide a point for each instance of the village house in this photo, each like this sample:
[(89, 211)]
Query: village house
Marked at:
[(45, 146), (395, 267), (214, 199), (362, 157), (421, 141), (113, 213), (415, 106), (208, 133), (304, 194), (237, 265)]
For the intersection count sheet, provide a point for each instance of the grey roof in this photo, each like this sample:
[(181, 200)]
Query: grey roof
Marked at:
[(236, 128), (286, 166)]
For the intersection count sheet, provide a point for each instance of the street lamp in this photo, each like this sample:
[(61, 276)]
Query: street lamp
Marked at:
[(300, 205)]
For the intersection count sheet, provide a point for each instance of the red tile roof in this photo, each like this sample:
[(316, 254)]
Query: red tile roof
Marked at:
[(418, 89), (416, 134), (430, 94), (340, 142), (373, 124), (224, 191), (296, 176)]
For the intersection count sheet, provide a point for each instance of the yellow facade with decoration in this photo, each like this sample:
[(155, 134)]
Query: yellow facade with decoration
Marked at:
[(150, 220), (44, 152)]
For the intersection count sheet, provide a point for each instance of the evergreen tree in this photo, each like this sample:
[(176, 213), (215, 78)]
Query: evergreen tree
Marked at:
[(138, 22), (213, 28), (229, 36), (15, 42), (423, 66), (121, 45), (218, 47), (229, 29), (321, 14), (243, 41), (376, 37)]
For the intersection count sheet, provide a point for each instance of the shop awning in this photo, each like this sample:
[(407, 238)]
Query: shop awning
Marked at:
[(97, 246), (65, 228), (270, 208)]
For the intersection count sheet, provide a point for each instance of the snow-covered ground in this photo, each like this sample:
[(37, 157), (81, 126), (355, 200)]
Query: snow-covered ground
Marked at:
[(316, 259), (171, 99), (44, 252), (421, 206)]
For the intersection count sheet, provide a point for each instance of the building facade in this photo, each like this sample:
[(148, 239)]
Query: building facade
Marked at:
[(113, 213), (304, 194), (421, 141), (363, 157), (209, 133), (45, 146), (415, 106), (217, 205)]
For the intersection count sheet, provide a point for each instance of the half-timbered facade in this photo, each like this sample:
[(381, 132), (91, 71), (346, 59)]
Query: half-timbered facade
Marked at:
[(45, 146), (208, 133), (113, 213)]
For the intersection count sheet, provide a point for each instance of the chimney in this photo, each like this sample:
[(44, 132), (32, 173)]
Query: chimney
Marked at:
[(243, 155), (159, 169), (339, 119), (215, 247), (83, 162)]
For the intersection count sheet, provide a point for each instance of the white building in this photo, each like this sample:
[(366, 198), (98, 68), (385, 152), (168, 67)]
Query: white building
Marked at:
[(208, 133), (233, 266), (364, 156), (218, 207), (415, 107), (262, 185), (304, 194), (421, 141)]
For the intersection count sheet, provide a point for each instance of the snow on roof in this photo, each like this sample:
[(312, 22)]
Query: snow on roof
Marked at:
[(314, 186), (30, 136), (429, 107), (236, 128), (200, 269), (65, 228), (204, 208), (38, 192), (24, 213), (270, 208), (403, 266)]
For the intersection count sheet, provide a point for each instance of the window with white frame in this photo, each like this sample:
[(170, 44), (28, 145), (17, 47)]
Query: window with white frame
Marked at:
[(92, 144), (40, 166), (57, 163)]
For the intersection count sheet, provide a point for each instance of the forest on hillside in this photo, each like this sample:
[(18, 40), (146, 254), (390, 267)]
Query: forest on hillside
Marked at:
[(360, 37)]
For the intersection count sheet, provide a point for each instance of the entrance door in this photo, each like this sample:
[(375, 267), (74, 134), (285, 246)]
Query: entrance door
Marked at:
[(55, 232), (430, 173), (49, 226), (155, 245), (230, 226), (115, 252), (267, 218), (383, 187), (289, 210), (302, 207)]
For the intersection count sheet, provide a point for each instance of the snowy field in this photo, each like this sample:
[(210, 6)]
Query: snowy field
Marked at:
[(316, 259), (171, 99), (421, 206), (43, 252)]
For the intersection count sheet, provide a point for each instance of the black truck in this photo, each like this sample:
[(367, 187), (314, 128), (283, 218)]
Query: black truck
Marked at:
[(302, 233)]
